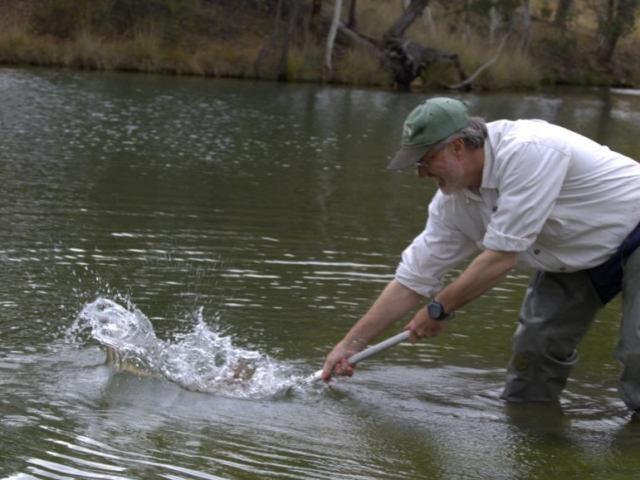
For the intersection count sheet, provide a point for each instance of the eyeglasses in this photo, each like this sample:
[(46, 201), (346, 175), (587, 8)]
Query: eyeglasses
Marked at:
[(426, 158), (423, 163)]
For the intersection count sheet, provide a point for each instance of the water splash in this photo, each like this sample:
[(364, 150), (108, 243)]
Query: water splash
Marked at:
[(201, 360)]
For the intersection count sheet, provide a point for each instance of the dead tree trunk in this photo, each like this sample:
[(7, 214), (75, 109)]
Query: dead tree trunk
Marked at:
[(284, 56), (620, 21), (562, 13), (316, 8), (267, 45), (413, 11), (351, 23), (405, 59), (333, 30), (411, 58), (526, 17)]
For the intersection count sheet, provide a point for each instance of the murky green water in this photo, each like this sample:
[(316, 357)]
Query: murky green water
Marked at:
[(262, 214)]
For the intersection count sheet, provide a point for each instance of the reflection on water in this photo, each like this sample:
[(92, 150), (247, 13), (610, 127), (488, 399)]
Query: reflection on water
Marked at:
[(254, 223)]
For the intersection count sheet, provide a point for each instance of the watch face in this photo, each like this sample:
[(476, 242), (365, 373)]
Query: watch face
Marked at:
[(436, 310)]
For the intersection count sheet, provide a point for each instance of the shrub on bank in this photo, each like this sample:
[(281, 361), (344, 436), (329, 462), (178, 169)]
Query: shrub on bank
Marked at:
[(357, 67), (225, 38), (66, 19)]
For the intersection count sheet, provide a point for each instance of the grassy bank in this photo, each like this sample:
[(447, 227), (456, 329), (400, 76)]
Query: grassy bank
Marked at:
[(224, 39)]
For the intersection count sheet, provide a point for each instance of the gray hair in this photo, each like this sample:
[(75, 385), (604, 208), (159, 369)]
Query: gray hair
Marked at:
[(473, 135)]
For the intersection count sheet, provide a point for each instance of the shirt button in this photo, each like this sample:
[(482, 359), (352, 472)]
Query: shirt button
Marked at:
[(536, 251), (495, 209), (563, 269)]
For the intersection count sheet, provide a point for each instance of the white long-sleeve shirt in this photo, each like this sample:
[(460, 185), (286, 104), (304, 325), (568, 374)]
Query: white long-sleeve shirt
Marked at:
[(564, 202)]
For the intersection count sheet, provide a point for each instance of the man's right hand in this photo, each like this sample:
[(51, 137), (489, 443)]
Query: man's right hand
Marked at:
[(393, 303), (336, 363)]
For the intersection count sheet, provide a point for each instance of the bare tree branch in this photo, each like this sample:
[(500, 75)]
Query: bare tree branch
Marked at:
[(332, 35), (475, 74)]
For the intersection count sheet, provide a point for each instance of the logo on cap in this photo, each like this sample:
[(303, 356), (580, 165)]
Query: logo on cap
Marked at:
[(407, 131)]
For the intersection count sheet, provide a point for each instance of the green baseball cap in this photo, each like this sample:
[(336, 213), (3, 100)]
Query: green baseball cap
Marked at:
[(430, 122)]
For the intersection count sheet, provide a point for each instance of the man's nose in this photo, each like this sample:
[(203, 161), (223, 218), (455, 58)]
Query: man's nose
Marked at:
[(423, 171)]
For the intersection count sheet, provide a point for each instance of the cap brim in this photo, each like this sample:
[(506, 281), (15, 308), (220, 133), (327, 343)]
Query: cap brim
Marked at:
[(407, 157)]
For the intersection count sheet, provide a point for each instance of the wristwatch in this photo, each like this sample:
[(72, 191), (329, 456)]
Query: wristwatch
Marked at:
[(436, 311)]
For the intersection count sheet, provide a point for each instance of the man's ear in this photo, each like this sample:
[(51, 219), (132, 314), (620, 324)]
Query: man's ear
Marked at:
[(458, 146)]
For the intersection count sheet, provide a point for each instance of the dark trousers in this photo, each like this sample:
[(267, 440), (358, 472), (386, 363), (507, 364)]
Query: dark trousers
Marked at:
[(557, 311)]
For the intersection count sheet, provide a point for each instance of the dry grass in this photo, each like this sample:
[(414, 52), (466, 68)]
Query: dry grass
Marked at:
[(228, 45), (89, 52), (374, 16), (357, 67), (304, 63)]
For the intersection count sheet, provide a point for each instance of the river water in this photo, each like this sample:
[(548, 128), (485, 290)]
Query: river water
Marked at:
[(237, 223)]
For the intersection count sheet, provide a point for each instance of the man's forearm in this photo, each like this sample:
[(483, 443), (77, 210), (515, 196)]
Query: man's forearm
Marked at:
[(486, 271), (393, 303)]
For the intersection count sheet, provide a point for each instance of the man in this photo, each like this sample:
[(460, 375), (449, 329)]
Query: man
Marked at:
[(525, 194)]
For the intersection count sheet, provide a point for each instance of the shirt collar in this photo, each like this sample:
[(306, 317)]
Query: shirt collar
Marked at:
[(488, 169), (488, 175)]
